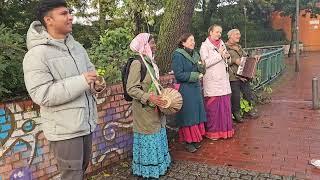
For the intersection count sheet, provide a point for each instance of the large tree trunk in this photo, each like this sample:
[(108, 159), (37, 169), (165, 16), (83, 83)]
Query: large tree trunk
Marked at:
[(138, 22), (176, 21), (2, 16), (102, 16), (106, 8)]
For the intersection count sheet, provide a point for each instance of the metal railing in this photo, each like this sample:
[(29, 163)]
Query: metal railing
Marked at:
[(270, 66), (263, 49)]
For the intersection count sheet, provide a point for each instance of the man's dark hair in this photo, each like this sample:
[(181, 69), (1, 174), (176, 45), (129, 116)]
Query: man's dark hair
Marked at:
[(45, 6)]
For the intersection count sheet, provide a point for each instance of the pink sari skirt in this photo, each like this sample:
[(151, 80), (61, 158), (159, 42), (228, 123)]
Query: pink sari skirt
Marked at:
[(191, 134), (219, 117)]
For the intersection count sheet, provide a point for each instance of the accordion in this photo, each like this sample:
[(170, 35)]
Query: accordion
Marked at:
[(247, 67)]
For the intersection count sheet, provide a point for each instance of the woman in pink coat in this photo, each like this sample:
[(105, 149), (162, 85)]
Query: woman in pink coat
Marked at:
[(216, 86)]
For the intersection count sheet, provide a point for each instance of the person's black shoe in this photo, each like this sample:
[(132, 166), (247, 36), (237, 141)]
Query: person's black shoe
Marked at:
[(190, 147), (197, 145), (238, 118)]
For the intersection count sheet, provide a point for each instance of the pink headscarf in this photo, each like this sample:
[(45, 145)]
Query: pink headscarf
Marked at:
[(140, 44)]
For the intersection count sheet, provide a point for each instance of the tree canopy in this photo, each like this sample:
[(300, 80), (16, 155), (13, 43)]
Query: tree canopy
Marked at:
[(111, 24)]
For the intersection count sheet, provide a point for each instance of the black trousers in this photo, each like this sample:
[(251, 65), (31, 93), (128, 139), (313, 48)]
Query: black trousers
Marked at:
[(238, 87)]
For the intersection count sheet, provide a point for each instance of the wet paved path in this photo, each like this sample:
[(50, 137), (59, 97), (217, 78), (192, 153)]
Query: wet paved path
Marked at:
[(186, 170), (282, 140)]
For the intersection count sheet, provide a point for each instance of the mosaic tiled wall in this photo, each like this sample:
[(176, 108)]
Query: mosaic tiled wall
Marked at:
[(23, 143)]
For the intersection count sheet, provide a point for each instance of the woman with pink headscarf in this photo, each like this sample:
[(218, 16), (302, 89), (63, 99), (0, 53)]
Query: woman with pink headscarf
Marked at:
[(151, 158)]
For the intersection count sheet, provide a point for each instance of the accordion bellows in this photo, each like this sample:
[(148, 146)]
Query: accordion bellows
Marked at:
[(173, 101), (247, 67)]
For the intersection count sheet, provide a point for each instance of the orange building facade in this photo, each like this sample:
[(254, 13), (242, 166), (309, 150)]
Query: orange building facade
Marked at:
[(309, 29)]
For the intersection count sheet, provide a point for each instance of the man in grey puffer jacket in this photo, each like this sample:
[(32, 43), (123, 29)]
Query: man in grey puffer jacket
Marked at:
[(58, 75)]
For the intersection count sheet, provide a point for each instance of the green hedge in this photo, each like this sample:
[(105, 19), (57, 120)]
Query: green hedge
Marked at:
[(264, 38), (12, 47)]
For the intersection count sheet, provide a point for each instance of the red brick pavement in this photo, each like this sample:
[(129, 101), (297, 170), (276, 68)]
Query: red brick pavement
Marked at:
[(282, 140)]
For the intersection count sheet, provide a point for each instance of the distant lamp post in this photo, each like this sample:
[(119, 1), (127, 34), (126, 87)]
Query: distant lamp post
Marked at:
[(297, 63), (245, 26)]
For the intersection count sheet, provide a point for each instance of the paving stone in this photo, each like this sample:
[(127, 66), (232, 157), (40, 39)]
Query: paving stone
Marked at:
[(170, 178), (195, 172), (225, 178), (253, 173), (232, 170), (171, 174), (258, 178), (289, 178), (204, 175), (244, 172), (246, 177), (190, 177), (179, 177), (214, 177), (212, 171), (275, 177), (264, 175), (234, 175), (187, 171), (223, 172), (203, 169)]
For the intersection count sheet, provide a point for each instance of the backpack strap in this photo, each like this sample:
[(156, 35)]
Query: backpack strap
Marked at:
[(154, 80), (143, 71)]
